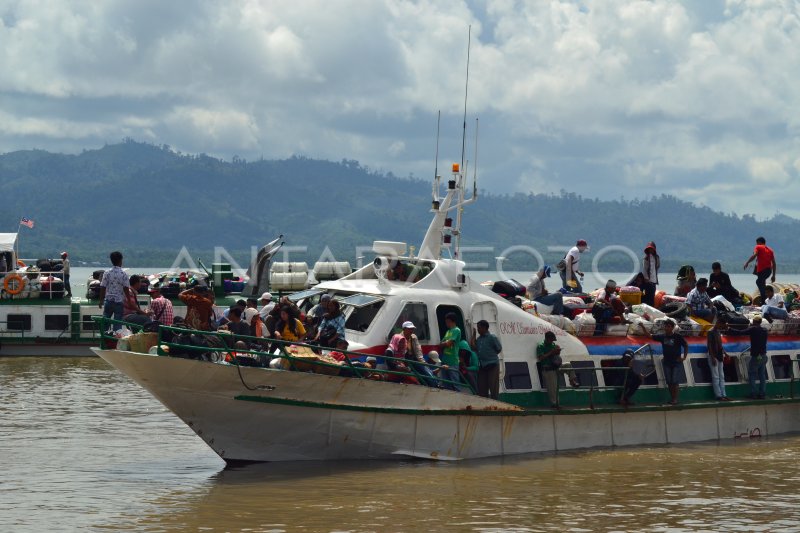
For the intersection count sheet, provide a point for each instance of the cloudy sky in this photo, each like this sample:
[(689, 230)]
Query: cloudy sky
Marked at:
[(606, 99)]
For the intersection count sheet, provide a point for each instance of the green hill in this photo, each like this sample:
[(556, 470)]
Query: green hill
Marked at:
[(149, 201)]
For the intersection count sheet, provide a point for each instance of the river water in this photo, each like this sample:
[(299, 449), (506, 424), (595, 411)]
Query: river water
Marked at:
[(85, 449)]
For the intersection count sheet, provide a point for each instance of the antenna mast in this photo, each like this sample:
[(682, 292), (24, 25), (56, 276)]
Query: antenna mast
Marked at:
[(466, 90)]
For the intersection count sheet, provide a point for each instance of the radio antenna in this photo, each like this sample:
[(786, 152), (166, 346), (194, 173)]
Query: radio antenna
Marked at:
[(466, 89), (436, 162)]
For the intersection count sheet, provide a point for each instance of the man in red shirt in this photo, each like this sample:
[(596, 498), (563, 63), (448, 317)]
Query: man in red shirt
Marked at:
[(765, 265)]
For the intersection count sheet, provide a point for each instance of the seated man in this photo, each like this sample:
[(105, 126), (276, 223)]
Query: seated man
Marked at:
[(719, 284), (609, 308), (686, 280), (774, 306), (538, 293), (700, 305)]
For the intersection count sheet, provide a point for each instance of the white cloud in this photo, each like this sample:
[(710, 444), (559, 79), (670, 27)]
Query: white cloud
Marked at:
[(602, 98)]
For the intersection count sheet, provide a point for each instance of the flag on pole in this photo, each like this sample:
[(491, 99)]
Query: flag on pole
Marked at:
[(24, 221)]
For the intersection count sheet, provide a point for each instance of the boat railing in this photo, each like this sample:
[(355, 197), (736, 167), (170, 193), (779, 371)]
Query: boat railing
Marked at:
[(641, 354), (214, 343)]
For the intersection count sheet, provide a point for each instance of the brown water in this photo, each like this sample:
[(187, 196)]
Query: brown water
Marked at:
[(83, 448)]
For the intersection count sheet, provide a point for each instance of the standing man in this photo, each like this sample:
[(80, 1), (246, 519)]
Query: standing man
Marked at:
[(545, 354), (199, 302), (65, 271), (757, 367), (765, 265), (650, 265), (114, 287), (450, 359), (571, 270), (488, 348), (538, 293), (671, 343), (716, 356)]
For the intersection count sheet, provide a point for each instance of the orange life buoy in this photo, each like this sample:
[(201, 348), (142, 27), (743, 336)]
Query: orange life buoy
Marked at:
[(13, 284), (659, 299), (21, 263)]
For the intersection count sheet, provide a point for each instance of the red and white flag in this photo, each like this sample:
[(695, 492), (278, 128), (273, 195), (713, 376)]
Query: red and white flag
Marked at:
[(24, 221)]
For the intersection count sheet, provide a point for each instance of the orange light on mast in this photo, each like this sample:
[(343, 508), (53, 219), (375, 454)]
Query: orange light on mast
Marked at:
[(456, 167)]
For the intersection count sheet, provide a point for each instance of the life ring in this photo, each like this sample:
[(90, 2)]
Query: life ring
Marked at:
[(17, 281), (21, 263)]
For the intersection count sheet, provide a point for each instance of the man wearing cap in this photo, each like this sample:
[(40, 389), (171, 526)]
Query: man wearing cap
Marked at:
[(571, 270), (160, 308), (65, 272), (267, 305), (538, 293), (414, 354)]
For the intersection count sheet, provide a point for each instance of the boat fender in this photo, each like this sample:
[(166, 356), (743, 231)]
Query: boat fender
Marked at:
[(13, 284)]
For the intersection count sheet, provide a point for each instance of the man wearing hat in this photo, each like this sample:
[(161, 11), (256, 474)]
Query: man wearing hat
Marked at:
[(267, 305), (538, 293), (161, 309), (65, 273), (414, 354), (571, 271)]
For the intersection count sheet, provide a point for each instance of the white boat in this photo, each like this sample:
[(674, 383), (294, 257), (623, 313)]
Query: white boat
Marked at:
[(266, 414)]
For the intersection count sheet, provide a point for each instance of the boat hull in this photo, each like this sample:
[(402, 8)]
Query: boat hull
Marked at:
[(306, 416)]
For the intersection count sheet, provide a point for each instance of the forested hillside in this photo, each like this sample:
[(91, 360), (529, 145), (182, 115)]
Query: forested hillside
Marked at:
[(150, 201)]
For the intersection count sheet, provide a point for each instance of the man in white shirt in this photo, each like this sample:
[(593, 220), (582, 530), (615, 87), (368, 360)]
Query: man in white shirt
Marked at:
[(267, 305), (571, 271), (773, 307)]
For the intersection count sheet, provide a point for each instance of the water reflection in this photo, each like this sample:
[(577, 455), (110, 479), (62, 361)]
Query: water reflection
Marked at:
[(85, 449)]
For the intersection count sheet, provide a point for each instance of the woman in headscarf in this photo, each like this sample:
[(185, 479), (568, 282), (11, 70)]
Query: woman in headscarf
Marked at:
[(650, 265), (397, 350)]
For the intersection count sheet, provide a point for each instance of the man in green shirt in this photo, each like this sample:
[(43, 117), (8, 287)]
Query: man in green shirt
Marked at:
[(450, 344), (545, 352)]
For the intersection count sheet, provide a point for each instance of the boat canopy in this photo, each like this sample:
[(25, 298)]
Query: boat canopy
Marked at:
[(8, 242)]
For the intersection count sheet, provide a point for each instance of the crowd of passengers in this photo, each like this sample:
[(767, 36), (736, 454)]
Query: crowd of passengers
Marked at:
[(462, 365)]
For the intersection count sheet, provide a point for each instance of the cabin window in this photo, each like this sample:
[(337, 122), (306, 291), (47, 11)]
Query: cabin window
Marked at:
[(56, 322), (18, 322), (701, 371), (681, 373), (418, 314), (731, 369), (643, 364), (517, 376), (782, 366), (87, 324), (360, 318), (612, 377), (586, 377)]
